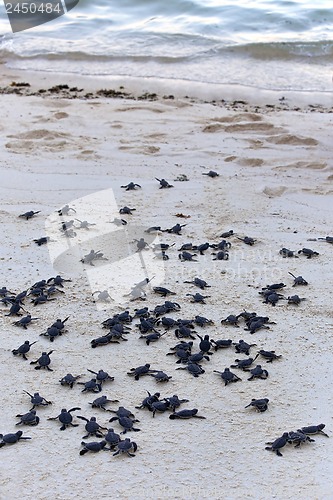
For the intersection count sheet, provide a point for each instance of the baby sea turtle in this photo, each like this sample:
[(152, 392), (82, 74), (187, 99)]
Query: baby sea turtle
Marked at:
[(256, 323), (227, 234), (260, 405), (92, 427), (202, 321), (295, 299), (227, 376), (211, 174), (126, 423), (148, 401), (12, 438), (58, 281), (243, 347), (285, 252), (221, 343), (15, 309), (272, 298), (193, 368), (37, 400), (52, 333), (141, 244), (91, 386), (199, 283), (102, 401), (314, 429), (126, 446), (160, 406), (163, 183), (203, 247), (298, 280), (24, 321), (205, 344), (69, 380), (29, 418), (65, 210), (183, 332), (93, 446), (152, 337), (23, 349), (41, 241), (160, 376), (222, 245), (308, 252), (65, 418), (122, 412), (258, 372), (247, 240), (269, 355), (102, 376), (187, 256), (112, 438), (221, 255), (186, 414), (91, 256), (103, 295), (131, 186), (298, 437), (127, 211), (232, 319), (84, 224), (176, 229), (328, 239), (243, 364), (29, 215), (198, 298), (43, 361), (160, 290), (272, 288), (139, 371), (175, 402), (278, 444)]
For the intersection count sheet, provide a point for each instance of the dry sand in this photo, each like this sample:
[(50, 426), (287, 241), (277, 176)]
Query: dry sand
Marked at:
[(275, 185)]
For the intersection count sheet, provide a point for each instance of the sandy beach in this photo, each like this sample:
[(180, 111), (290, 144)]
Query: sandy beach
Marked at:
[(78, 147)]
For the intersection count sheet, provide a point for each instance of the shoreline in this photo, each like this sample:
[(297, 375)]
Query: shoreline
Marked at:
[(45, 84)]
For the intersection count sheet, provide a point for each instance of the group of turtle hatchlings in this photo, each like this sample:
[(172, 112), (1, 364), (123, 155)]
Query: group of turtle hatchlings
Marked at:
[(184, 331)]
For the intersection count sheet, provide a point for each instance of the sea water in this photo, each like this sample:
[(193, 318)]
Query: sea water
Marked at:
[(266, 44)]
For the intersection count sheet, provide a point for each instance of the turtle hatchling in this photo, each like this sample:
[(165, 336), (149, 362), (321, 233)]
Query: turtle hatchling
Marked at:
[(285, 252), (102, 401), (23, 349), (295, 299), (187, 256), (12, 438), (198, 298), (102, 376), (211, 174), (160, 376), (193, 368), (65, 417), (298, 280), (269, 355), (308, 252), (112, 438), (126, 446), (37, 400), (131, 186), (24, 321), (199, 283), (260, 405), (91, 386), (299, 437), (186, 414), (43, 361), (92, 427), (139, 371), (126, 423), (94, 446), (29, 418), (258, 372), (279, 443), (314, 429), (29, 215), (163, 183), (243, 364), (227, 376), (69, 380)]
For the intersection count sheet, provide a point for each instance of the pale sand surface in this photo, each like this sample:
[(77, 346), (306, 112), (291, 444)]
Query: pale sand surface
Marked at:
[(275, 185)]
